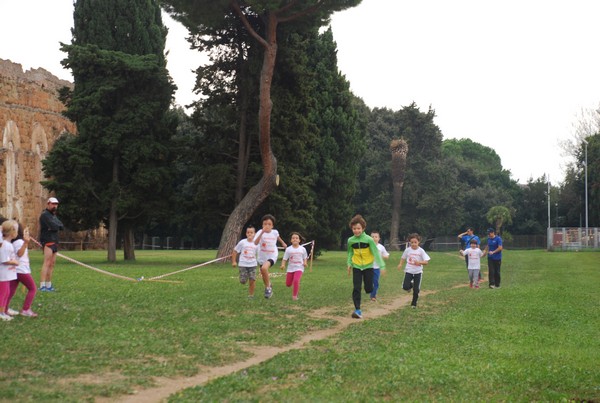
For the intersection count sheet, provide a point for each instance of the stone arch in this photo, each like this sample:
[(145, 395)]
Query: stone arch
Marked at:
[(39, 140), (39, 148), (11, 141)]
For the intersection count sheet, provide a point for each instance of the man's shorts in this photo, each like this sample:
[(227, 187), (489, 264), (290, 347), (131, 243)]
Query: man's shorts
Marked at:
[(247, 273), (53, 246)]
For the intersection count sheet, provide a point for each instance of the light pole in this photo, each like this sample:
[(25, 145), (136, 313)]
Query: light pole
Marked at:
[(586, 189)]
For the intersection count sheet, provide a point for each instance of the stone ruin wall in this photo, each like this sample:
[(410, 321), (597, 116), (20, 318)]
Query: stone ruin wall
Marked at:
[(30, 123)]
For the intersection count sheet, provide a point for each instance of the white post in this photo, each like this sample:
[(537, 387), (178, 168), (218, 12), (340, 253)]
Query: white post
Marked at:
[(586, 188)]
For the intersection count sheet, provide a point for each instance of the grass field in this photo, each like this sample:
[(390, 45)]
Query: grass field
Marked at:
[(98, 337)]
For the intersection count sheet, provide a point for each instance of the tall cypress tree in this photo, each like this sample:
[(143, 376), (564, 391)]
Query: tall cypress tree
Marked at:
[(120, 102)]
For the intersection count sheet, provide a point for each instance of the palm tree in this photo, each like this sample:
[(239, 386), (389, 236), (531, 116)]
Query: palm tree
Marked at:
[(399, 150)]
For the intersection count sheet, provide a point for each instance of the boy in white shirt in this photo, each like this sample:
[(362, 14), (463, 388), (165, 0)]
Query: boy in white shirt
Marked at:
[(473, 255), (246, 250)]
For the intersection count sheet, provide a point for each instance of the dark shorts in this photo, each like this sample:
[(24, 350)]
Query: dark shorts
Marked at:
[(53, 246), (270, 261)]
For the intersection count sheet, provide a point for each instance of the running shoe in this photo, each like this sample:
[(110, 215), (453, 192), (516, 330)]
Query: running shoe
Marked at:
[(29, 313), (5, 317), (357, 314)]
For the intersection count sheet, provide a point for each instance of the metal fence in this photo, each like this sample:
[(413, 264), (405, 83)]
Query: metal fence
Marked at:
[(573, 238)]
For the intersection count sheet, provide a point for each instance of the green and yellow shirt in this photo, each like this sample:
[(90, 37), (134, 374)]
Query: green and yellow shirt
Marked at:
[(362, 252)]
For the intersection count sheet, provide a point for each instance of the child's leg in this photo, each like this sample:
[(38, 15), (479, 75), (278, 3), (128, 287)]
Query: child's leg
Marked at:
[(376, 275), (264, 272), (12, 289), (252, 277), (368, 280), (243, 274), (416, 288), (289, 278), (29, 283), (296, 281), (476, 275), (406, 284), (356, 281), (471, 279), (4, 292)]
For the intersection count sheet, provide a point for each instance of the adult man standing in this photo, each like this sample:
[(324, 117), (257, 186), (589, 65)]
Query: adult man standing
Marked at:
[(49, 227), (494, 252)]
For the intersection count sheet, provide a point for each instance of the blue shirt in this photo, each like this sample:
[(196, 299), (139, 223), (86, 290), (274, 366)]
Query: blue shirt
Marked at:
[(493, 244), (467, 240)]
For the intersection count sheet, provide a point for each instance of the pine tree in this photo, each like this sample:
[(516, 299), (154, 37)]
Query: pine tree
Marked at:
[(120, 102)]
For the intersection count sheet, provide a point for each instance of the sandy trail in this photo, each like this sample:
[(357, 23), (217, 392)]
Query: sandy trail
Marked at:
[(167, 386)]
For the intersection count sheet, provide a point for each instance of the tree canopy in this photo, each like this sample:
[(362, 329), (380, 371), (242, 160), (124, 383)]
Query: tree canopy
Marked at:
[(120, 103)]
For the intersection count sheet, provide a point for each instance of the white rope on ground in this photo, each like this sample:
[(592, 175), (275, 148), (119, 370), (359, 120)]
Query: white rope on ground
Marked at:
[(188, 268), (156, 278), (87, 265)]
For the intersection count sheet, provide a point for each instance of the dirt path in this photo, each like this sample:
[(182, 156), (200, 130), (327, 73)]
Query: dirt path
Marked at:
[(167, 386)]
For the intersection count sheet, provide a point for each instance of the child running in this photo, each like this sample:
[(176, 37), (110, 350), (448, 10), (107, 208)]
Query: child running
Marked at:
[(415, 258), (376, 270), (295, 256), (246, 249), (23, 274), (474, 255), (8, 266), (267, 252), (362, 253)]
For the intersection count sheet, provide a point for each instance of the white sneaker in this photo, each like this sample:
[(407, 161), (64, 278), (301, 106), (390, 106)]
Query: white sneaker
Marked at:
[(12, 312), (5, 317)]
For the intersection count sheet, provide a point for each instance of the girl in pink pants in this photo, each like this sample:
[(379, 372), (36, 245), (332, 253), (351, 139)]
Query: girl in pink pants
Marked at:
[(295, 255), (23, 273)]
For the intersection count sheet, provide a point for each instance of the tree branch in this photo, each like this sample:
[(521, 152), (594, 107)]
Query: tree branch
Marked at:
[(299, 14), (235, 6)]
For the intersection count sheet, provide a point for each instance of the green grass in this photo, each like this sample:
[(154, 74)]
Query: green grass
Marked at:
[(536, 338)]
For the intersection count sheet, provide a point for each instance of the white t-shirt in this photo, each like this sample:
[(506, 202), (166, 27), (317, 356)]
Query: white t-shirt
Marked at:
[(474, 258), (7, 252), (295, 258), (247, 253), (383, 252), (414, 255), (23, 267), (267, 248)]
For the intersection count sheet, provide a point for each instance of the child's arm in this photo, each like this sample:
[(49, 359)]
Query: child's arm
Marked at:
[(234, 258), (402, 260), (283, 262), (281, 242), (258, 236)]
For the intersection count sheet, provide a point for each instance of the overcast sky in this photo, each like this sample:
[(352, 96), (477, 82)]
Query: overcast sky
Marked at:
[(511, 75)]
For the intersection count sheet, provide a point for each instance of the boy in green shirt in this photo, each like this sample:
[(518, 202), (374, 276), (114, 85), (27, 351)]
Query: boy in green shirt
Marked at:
[(362, 252)]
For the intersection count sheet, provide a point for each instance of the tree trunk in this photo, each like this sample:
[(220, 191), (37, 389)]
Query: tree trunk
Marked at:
[(128, 243), (112, 219), (399, 150), (259, 192), (243, 146)]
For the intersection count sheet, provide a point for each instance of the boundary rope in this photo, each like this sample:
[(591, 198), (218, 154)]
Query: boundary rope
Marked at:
[(87, 265), (158, 278)]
